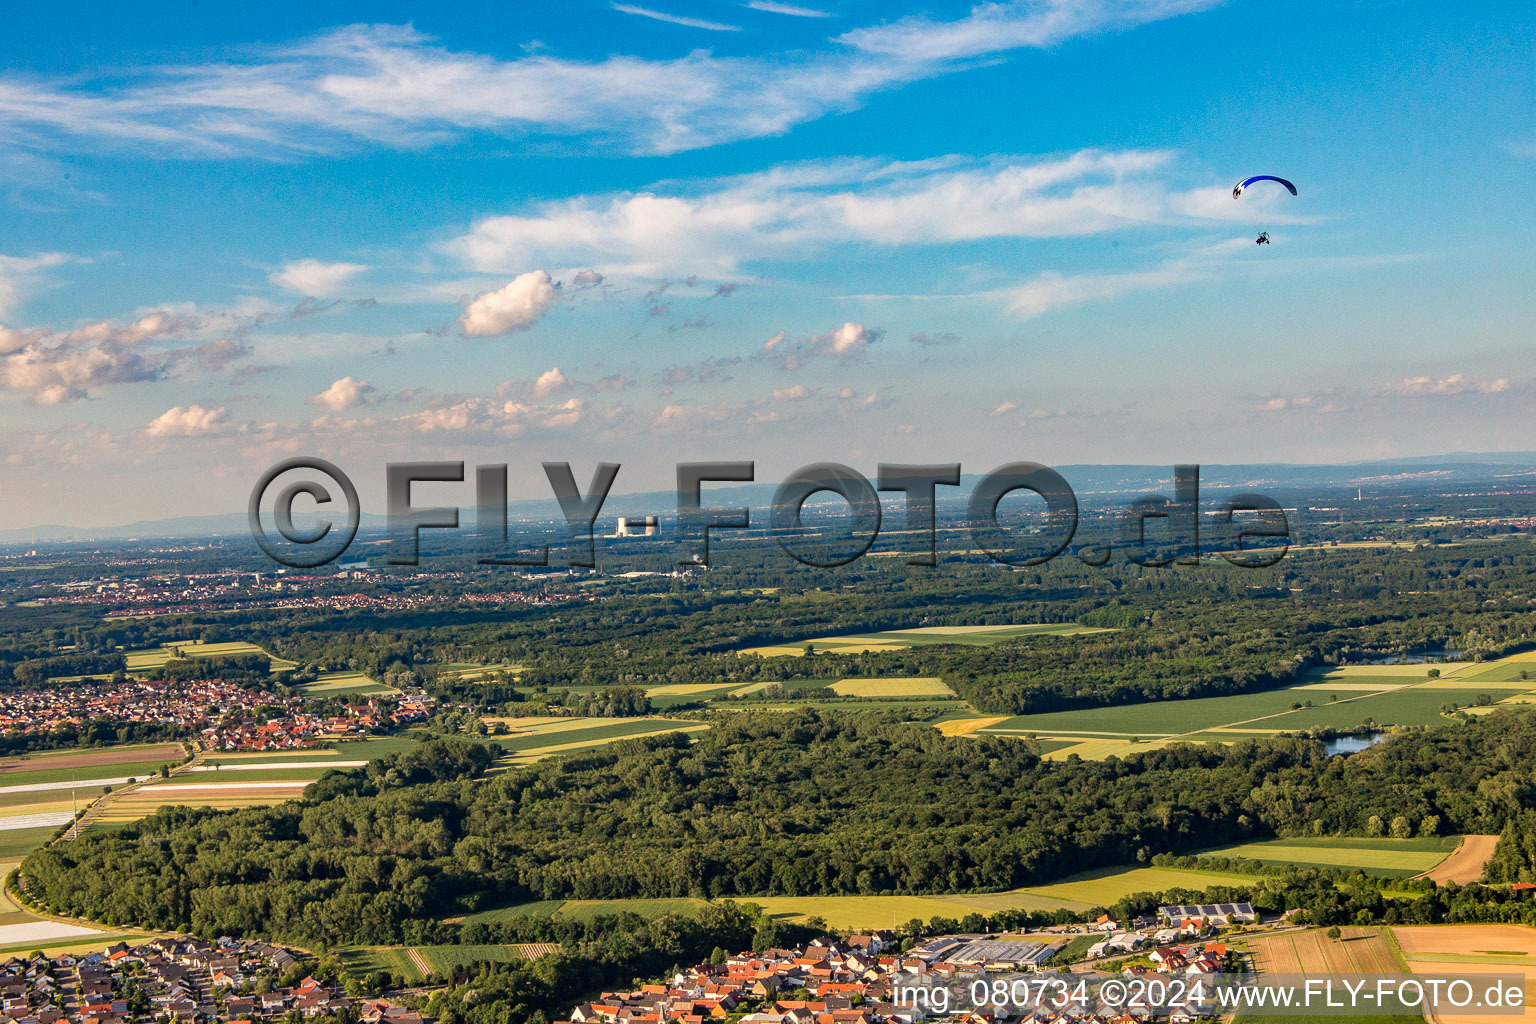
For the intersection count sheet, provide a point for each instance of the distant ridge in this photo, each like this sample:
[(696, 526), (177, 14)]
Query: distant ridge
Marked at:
[(1089, 480)]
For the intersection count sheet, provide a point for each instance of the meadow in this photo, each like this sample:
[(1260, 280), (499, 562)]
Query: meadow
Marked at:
[(439, 961), (533, 739), (918, 636), (1077, 893), (149, 659), (1344, 699), (343, 684), (1392, 858)]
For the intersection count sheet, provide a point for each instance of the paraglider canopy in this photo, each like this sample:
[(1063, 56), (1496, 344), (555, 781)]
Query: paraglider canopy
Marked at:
[(1237, 192)]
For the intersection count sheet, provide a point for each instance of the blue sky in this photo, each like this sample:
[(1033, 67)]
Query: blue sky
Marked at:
[(663, 231)]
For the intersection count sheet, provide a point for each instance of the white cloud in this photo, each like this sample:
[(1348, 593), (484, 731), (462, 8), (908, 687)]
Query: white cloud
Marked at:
[(791, 394), (998, 27), (550, 382), (391, 85), (20, 272), (675, 19), (1456, 384), (515, 307), (1051, 290), (510, 417), (793, 10), (846, 342), (315, 278), (188, 421), (1004, 409), (344, 394), (792, 210)]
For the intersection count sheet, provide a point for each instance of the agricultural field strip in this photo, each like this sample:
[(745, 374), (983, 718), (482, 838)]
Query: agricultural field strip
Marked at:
[(10, 823), (59, 760), (272, 766), (154, 657), (50, 787), (67, 776), (1325, 854), (1018, 724), (40, 931), (526, 754), (918, 686)]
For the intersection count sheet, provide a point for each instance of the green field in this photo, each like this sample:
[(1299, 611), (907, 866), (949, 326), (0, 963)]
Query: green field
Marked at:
[(919, 636), (342, 684), (1252, 714), (1169, 717), (535, 739), (836, 911), (18, 842), (365, 960), (1105, 886), (671, 695), (586, 910), (1393, 858), (114, 770), (1078, 893), (149, 659)]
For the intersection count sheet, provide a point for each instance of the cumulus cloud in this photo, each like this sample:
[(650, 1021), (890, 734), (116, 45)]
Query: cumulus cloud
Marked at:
[(846, 342), (1004, 408), (188, 421), (515, 307), (393, 86), (61, 366), (508, 418), (316, 279), (586, 279), (791, 393), (1456, 384), (550, 382), (344, 394), (789, 210)]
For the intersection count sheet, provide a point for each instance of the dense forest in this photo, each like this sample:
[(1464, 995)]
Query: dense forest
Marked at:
[(1175, 632), (761, 804)]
